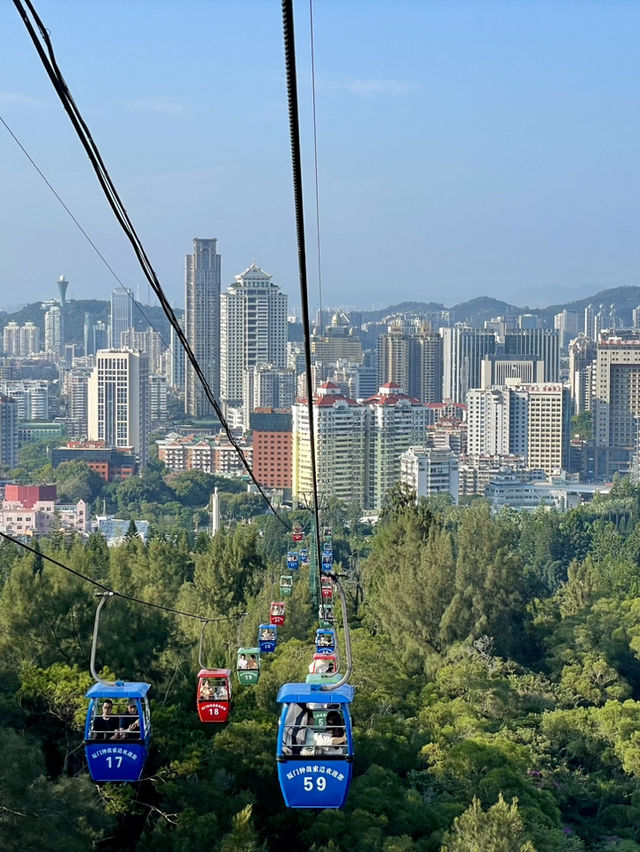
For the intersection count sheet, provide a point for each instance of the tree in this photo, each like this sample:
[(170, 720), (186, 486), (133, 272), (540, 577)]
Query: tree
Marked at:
[(499, 829)]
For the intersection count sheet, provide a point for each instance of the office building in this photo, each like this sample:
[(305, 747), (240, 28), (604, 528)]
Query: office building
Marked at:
[(253, 330), (202, 324), (121, 314), (336, 341), (539, 344), (616, 400), (463, 350), (118, 393)]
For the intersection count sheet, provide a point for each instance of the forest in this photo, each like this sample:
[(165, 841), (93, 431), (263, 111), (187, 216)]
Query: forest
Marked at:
[(496, 663)]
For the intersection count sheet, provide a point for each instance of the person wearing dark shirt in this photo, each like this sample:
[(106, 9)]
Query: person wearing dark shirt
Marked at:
[(105, 726)]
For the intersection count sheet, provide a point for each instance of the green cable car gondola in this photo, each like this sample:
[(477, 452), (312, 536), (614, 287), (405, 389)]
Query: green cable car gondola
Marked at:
[(248, 666)]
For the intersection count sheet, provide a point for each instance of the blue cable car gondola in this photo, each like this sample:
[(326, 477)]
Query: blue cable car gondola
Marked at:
[(117, 731), (267, 637), (314, 752), (327, 563), (304, 556), (325, 641), (292, 560)]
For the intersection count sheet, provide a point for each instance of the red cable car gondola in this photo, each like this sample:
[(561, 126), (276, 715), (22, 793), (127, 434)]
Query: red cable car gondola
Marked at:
[(214, 695), (277, 611)]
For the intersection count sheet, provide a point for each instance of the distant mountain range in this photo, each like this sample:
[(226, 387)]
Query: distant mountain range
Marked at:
[(476, 311), (473, 312)]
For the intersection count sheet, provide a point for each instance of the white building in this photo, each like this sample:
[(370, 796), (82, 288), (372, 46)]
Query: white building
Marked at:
[(53, 331), (340, 448), (394, 422), (118, 394), (253, 330), (429, 471)]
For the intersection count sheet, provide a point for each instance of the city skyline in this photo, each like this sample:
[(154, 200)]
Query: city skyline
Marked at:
[(487, 145)]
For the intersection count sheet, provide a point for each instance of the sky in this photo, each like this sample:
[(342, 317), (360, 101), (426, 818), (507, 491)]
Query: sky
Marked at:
[(464, 148)]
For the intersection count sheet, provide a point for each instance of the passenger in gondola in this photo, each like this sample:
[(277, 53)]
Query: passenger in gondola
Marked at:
[(252, 662), (220, 693), (106, 725), (243, 663), (130, 724), (333, 739), (206, 690)]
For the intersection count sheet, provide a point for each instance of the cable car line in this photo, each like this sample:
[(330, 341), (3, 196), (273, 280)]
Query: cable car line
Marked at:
[(296, 167), (127, 290), (315, 155), (108, 591), (57, 79)]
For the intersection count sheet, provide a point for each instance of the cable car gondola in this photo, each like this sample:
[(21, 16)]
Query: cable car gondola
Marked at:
[(325, 614), (292, 560), (315, 745), (297, 534), (327, 563), (277, 612), (214, 695), (248, 666), (304, 556), (286, 582), (267, 637), (324, 664), (117, 728), (325, 641), (117, 731), (326, 586)]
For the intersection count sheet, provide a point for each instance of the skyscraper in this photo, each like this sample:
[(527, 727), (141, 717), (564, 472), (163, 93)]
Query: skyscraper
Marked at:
[(253, 329), (543, 344), (410, 355), (121, 314), (53, 330), (118, 396), (8, 431), (202, 324), (463, 350)]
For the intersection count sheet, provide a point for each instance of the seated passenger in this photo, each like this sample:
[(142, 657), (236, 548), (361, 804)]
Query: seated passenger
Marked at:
[(243, 663), (130, 724), (206, 690), (106, 725), (333, 739), (252, 662)]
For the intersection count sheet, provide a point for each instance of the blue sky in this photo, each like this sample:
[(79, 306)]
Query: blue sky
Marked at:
[(465, 148)]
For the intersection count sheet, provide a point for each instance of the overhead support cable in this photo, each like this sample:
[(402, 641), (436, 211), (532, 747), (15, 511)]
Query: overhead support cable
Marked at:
[(296, 166), (49, 62), (109, 592), (136, 304)]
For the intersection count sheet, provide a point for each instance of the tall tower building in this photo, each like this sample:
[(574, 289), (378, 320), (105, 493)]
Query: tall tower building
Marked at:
[(463, 349), (410, 355), (253, 330), (340, 447), (121, 314), (8, 431), (118, 397), (202, 324), (53, 330)]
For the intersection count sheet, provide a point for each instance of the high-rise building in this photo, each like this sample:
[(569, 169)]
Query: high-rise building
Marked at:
[(158, 411), (253, 330), (76, 384), (582, 354), (29, 339), (394, 422), (202, 324), (8, 431), (336, 341), (11, 339), (31, 396), (271, 431), (148, 341), (266, 386), (528, 420), (463, 349), (541, 344), (53, 331), (410, 355), (616, 403), (118, 394), (340, 448), (121, 314)]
